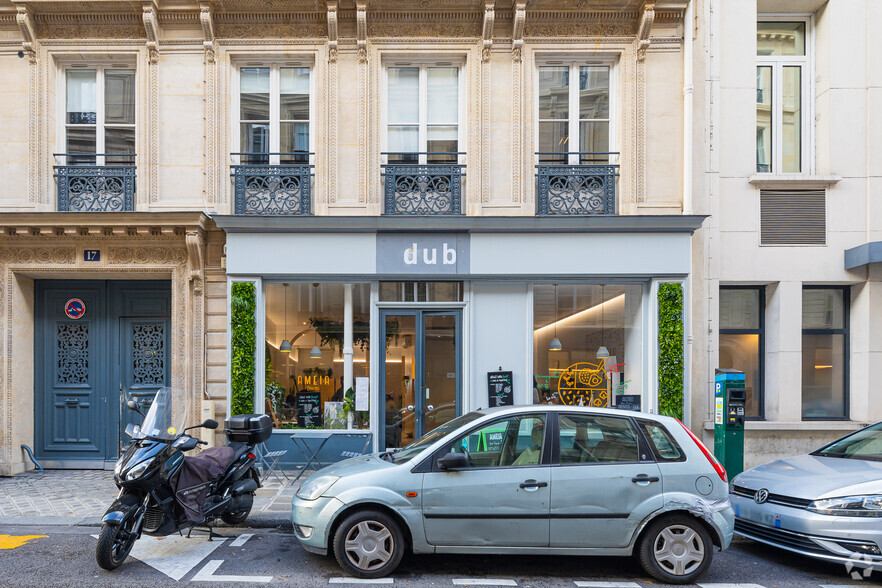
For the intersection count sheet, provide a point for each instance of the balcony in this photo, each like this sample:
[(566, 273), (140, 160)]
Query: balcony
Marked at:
[(424, 183), (576, 183), (272, 183), (95, 182)]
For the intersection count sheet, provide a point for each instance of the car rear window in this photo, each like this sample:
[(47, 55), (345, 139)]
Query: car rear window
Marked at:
[(662, 442)]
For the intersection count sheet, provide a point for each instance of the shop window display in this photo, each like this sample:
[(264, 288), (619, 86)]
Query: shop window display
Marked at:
[(587, 343), (305, 364)]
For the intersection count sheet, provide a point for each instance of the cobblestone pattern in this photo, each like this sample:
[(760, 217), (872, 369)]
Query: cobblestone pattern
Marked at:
[(84, 493)]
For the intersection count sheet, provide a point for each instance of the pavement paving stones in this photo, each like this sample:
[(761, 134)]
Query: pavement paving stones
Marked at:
[(80, 497)]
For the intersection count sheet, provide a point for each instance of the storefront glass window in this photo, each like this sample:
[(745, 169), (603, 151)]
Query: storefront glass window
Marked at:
[(304, 386), (824, 353), (571, 324), (420, 291), (741, 340)]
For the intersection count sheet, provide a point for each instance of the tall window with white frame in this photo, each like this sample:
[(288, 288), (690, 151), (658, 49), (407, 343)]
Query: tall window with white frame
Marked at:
[(99, 119), (423, 113), (825, 355), (574, 118), (782, 82), (274, 114)]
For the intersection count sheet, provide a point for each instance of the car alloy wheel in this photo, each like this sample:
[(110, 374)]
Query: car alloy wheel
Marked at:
[(369, 544), (676, 549), (679, 550)]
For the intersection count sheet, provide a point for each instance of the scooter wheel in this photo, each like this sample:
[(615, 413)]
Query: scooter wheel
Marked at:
[(112, 550), (234, 518)]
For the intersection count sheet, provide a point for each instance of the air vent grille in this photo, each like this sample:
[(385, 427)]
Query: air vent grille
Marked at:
[(793, 217)]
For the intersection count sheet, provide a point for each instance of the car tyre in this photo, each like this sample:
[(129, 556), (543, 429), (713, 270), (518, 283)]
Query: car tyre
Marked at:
[(369, 544), (676, 549)]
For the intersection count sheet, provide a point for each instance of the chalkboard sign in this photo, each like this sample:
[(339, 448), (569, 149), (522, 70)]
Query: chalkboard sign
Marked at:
[(309, 409), (500, 392), (628, 402)]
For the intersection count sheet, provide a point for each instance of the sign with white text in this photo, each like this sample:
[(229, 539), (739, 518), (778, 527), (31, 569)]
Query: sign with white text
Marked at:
[(423, 253)]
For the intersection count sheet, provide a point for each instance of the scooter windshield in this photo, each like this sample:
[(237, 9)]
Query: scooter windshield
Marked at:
[(158, 422)]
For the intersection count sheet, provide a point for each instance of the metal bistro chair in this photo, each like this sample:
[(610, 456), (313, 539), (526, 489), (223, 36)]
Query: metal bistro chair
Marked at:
[(269, 461)]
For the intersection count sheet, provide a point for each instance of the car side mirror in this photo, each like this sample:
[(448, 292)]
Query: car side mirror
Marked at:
[(453, 461), (209, 424)]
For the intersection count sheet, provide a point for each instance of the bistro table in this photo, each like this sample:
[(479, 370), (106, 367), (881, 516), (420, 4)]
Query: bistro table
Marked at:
[(310, 442)]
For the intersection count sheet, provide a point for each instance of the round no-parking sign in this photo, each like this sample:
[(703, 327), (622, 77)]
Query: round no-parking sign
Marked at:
[(75, 308)]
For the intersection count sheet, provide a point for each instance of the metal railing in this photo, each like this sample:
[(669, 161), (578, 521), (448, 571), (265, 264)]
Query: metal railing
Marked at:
[(582, 183), (423, 183), (95, 182), (272, 183)]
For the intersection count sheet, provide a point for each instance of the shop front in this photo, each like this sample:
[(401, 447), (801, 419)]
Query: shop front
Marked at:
[(393, 326)]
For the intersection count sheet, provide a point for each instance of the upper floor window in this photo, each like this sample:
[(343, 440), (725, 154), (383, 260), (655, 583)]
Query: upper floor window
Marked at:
[(99, 115), (782, 83), (274, 114), (423, 113), (574, 113)]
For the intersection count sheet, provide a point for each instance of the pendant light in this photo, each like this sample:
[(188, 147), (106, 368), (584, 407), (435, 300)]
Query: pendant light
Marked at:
[(602, 351), (315, 352), (285, 347), (555, 343)]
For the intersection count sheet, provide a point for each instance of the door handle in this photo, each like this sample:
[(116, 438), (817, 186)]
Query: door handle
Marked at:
[(644, 479), (532, 485)]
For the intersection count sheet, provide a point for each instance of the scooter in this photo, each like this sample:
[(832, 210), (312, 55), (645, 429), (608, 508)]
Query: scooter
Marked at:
[(163, 492)]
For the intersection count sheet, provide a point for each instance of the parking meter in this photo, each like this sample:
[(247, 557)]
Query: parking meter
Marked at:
[(729, 399)]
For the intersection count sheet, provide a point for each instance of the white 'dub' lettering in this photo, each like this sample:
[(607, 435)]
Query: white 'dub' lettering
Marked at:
[(410, 255), (449, 255), (426, 259)]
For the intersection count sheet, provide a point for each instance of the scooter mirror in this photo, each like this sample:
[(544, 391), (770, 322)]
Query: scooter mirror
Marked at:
[(209, 424), (132, 405)]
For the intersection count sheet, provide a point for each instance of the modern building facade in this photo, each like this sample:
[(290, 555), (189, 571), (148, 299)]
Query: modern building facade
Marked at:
[(786, 273)]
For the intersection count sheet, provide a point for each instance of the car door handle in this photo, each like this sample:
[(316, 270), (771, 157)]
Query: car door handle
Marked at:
[(644, 479), (532, 484)]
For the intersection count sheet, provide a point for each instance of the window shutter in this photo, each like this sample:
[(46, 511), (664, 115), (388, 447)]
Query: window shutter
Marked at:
[(793, 217)]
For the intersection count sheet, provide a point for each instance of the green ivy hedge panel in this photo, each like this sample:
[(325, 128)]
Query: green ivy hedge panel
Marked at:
[(670, 350), (243, 345)]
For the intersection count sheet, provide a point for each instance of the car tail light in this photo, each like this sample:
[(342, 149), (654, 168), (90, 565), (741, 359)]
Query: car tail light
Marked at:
[(721, 471)]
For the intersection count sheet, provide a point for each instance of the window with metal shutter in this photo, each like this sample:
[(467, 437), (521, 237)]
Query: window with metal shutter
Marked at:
[(793, 217)]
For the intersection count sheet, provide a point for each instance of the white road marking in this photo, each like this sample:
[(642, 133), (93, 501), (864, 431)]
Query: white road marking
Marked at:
[(730, 585), (206, 574), (241, 539), (483, 582), (581, 584), (174, 555), (344, 580)]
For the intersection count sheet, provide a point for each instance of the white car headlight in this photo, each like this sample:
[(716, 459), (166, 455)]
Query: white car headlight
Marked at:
[(849, 506), (315, 487), (135, 472)]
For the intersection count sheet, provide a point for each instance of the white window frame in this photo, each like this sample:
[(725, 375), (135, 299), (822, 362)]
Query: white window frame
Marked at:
[(574, 63), (423, 63), (807, 92), (61, 103), (275, 105)]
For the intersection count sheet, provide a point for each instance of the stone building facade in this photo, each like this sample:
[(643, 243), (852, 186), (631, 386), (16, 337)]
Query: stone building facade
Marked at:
[(192, 145)]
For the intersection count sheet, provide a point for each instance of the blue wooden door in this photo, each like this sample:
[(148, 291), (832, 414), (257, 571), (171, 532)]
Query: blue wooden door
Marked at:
[(70, 359), (97, 344), (142, 312)]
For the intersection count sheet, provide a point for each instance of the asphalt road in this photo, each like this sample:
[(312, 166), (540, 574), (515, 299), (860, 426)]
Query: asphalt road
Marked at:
[(259, 557)]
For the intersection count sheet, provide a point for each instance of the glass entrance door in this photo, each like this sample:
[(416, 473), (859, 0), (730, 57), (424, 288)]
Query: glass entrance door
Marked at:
[(421, 373)]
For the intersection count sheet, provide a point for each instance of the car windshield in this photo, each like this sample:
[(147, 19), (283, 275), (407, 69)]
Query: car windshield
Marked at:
[(864, 444), (158, 423), (417, 446)]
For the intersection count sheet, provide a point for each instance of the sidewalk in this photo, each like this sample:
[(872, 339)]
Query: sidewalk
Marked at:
[(80, 497)]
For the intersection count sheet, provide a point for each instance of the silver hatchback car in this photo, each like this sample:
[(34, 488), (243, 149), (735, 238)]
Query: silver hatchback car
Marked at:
[(530, 480)]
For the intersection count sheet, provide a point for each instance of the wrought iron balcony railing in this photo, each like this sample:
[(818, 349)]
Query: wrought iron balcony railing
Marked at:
[(423, 183), (272, 183), (576, 183), (95, 182)]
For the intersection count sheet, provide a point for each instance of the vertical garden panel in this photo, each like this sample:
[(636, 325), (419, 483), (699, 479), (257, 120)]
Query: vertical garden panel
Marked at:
[(242, 346), (670, 350)]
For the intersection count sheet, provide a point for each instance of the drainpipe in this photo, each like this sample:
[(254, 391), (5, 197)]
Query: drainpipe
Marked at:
[(687, 108)]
